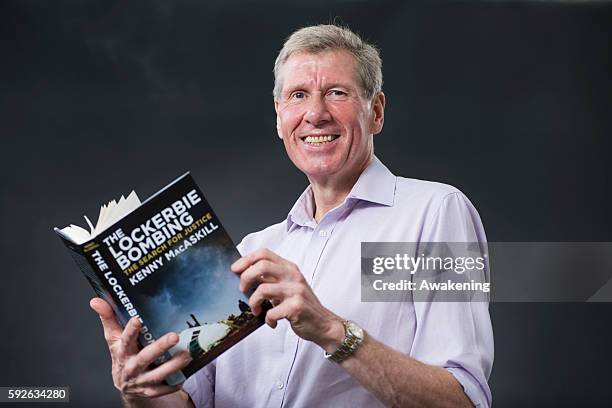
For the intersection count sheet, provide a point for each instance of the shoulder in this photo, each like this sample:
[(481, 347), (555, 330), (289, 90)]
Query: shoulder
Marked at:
[(446, 214), (443, 211), (269, 237), (429, 193)]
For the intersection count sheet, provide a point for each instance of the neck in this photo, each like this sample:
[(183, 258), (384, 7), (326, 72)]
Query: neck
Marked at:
[(330, 192)]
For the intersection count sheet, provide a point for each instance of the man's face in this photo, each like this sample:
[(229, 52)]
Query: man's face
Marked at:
[(323, 117)]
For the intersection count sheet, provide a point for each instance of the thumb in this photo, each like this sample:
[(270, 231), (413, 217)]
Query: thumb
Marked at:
[(112, 328)]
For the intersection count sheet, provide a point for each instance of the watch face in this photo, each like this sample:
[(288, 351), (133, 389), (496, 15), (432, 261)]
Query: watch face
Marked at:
[(354, 329)]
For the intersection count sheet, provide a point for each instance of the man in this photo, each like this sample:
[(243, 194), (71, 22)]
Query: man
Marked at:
[(329, 105)]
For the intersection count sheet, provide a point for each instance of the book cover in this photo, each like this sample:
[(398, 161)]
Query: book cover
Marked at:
[(168, 263)]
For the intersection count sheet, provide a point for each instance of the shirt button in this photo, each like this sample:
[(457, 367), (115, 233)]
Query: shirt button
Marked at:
[(323, 233), (279, 384)]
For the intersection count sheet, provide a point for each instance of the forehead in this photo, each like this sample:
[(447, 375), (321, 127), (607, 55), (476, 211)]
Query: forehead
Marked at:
[(318, 69)]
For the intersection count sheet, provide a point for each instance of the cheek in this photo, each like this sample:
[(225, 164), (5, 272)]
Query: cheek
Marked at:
[(349, 113), (289, 119)]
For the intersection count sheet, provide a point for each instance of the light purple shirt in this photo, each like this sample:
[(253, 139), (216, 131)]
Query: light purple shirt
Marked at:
[(275, 368)]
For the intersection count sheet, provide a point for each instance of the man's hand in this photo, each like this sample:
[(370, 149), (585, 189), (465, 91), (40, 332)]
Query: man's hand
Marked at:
[(130, 367), (281, 282)]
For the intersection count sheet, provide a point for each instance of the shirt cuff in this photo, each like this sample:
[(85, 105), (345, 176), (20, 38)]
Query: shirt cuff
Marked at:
[(199, 388), (480, 397)]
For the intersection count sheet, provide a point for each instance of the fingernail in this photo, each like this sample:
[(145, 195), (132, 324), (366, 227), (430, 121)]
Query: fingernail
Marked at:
[(173, 338)]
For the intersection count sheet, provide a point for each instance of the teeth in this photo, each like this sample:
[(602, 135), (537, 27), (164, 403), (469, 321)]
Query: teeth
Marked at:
[(320, 139)]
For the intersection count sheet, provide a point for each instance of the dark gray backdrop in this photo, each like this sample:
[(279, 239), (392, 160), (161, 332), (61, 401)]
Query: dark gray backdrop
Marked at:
[(509, 101)]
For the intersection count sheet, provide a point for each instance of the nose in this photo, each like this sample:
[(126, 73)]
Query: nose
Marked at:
[(317, 112)]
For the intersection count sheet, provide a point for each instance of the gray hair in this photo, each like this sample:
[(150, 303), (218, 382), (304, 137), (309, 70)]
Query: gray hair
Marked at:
[(326, 37)]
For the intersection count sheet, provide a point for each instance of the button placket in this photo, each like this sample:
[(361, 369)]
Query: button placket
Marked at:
[(318, 242), (316, 245), (314, 250)]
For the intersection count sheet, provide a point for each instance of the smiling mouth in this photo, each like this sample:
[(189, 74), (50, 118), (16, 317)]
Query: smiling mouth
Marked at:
[(319, 140)]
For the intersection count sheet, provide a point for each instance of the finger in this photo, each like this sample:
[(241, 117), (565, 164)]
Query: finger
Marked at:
[(158, 374), (263, 253), (277, 313), (270, 271), (129, 343), (112, 328), (153, 391), (267, 291), (151, 352)]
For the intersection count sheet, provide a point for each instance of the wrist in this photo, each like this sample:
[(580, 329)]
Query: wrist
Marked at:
[(353, 338), (333, 336)]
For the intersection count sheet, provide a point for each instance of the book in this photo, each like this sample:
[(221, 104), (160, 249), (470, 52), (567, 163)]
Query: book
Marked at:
[(167, 261)]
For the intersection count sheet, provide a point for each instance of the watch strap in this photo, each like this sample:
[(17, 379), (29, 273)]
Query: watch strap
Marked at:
[(346, 348)]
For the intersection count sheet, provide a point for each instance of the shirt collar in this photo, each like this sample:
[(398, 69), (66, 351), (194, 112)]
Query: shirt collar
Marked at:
[(376, 184)]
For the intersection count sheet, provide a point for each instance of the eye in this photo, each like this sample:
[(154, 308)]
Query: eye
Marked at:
[(298, 95), (337, 93)]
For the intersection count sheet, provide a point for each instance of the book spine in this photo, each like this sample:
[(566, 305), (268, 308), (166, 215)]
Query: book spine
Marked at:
[(90, 259), (94, 280)]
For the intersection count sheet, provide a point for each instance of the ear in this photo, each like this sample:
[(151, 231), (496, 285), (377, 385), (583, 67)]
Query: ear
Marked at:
[(378, 113), (278, 121)]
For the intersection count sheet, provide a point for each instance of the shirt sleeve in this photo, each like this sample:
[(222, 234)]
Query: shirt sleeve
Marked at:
[(456, 335), (201, 387)]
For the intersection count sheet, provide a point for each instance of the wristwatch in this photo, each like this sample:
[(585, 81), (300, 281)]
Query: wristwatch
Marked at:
[(353, 337)]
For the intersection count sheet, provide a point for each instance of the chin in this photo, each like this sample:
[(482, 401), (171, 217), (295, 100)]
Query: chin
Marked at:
[(320, 168)]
